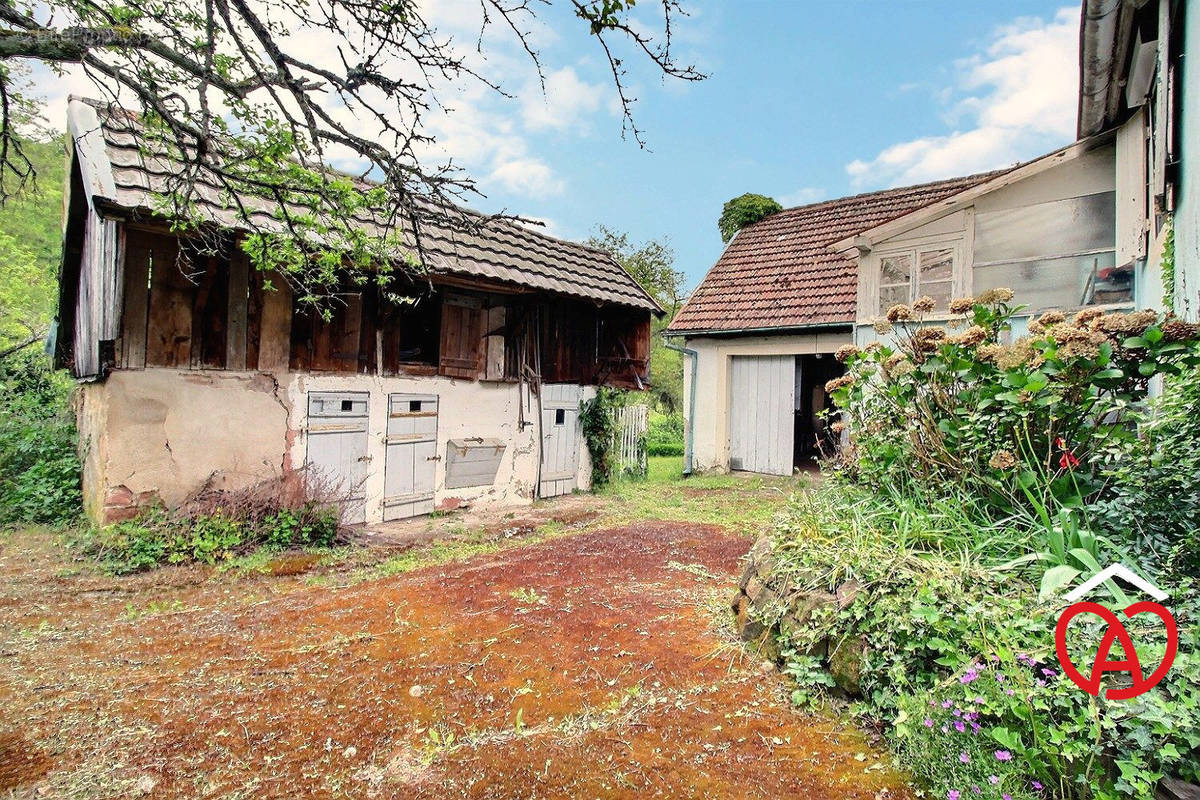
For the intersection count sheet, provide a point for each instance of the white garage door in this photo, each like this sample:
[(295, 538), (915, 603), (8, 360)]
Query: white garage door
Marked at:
[(761, 414)]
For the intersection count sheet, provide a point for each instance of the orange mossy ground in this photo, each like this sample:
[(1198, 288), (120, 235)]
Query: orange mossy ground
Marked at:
[(596, 664)]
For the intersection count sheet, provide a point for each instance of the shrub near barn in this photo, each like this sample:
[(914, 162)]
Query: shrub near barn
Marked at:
[(983, 478)]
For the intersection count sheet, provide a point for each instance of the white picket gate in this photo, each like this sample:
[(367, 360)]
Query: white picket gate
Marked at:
[(630, 439)]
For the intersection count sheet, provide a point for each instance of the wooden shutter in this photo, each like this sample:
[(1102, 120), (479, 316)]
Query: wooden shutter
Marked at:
[(461, 352)]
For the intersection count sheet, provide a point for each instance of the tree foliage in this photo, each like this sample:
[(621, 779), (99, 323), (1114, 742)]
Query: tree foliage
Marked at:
[(745, 210), (652, 265), (250, 102), (30, 234)]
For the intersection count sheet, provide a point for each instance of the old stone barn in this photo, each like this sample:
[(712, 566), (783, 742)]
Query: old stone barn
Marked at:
[(197, 370)]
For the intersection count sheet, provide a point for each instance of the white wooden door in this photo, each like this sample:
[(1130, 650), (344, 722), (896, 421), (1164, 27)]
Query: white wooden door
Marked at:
[(560, 439), (762, 414), (408, 474), (337, 447)]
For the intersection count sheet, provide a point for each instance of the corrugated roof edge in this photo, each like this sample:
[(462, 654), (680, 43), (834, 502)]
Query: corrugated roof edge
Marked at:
[(97, 188)]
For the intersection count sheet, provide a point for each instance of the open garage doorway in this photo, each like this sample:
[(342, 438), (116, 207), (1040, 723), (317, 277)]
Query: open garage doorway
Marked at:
[(813, 436)]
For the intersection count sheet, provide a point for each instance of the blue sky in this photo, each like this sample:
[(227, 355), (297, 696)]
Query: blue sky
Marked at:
[(805, 101)]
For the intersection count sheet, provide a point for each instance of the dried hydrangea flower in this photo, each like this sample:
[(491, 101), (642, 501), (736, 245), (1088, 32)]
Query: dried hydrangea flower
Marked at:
[(990, 297), (972, 336), (1051, 318), (838, 383), (1176, 330), (962, 305), (924, 304), (846, 352), (882, 327), (1002, 459), (899, 312), (1087, 315), (873, 347), (838, 427), (902, 369), (989, 352)]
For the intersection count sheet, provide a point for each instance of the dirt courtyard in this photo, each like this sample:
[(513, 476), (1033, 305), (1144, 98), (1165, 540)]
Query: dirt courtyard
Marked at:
[(591, 664)]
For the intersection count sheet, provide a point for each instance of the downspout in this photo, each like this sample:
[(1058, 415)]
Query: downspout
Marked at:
[(691, 402)]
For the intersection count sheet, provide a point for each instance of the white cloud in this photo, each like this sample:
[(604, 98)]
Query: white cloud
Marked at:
[(528, 176), (802, 197), (566, 101), (1013, 101)]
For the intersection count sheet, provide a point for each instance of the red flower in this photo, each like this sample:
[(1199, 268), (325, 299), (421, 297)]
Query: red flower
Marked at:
[(1067, 460)]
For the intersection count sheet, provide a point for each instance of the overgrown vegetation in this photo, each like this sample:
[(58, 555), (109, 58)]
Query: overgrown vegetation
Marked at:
[(665, 435), (597, 418), (744, 210), (218, 525), (39, 468), (982, 480)]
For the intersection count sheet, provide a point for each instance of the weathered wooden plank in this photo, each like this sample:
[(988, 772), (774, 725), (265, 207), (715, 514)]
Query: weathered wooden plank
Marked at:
[(494, 360), (210, 310), (274, 341), (137, 299), (237, 310), (169, 329)]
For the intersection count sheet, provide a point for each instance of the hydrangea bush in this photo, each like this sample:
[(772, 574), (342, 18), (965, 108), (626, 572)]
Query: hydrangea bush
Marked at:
[(961, 404)]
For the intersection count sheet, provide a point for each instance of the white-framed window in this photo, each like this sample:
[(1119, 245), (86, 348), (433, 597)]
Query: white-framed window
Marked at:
[(905, 275)]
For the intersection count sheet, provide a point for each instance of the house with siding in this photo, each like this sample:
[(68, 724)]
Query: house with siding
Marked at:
[(1136, 84), (760, 331), (196, 369)]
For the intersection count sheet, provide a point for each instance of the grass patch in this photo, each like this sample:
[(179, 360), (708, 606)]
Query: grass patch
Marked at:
[(738, 501)]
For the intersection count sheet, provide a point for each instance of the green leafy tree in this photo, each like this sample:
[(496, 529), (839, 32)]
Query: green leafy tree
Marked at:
[(30, 234), (236, 97), (652, 264), (745, 210)]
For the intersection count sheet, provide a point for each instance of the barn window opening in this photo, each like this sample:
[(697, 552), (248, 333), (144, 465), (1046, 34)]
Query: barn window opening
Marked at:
[(414, 406), (907, 275), (347, 405), (560, 416)]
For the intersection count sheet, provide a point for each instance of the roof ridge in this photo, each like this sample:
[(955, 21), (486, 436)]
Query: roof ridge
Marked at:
[(977, 176)]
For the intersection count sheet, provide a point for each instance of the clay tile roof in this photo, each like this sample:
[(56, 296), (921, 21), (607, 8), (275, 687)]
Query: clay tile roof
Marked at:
[(781, 273), (496, 249)]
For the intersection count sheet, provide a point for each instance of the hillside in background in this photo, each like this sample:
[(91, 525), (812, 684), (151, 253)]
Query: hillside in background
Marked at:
[(30, 242)]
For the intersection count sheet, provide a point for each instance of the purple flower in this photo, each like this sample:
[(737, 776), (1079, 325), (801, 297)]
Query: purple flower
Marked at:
[(958, 712), (976, 790), (928, 722), (979, 701), (1009, 692), (946, 704), (945, 729), (974, 727), (953, 794), (1041, 682), (960, 727), (1037, 785), (1049, 673), (964, 758), (1006, 796), (969, 676), (1003, 755), (999, 677), (993, 779)]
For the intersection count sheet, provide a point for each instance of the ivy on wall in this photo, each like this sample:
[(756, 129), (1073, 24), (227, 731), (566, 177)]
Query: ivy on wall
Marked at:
[(598, 419), (1168, 267)]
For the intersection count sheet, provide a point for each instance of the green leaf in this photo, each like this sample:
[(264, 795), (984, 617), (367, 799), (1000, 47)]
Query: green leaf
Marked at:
[(1055, 579), (1135, 343), (1110, 374)]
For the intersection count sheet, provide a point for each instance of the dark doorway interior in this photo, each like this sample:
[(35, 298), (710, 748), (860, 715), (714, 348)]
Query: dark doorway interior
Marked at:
[(812, 432)]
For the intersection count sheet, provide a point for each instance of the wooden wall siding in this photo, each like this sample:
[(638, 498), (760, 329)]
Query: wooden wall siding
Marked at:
[(97, 317), (237, 312), (568, 342), (462, 345), (332, 345), (270, 329), (169, 331), (210, 313), (624, 348), (138, 252)]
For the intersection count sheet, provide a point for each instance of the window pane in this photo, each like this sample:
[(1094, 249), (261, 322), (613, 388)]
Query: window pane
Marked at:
[(891, 295), (936, 265), (940, 292), (1061, 283), (895, 269)]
